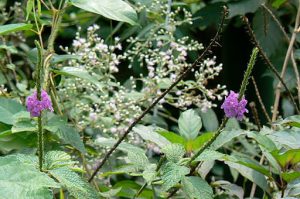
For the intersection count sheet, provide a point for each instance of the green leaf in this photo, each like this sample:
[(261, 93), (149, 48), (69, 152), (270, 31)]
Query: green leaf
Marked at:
[(74, 183), (288, 138), (174, 152), (148, 133), (189, 124), (277, 3), (80, 73), (20, 178), (113, 9), (23, 123), (66, 133), (8, 108), (199, 141), (250, 174), (209, 119), (226, 136), (209, 155), (5, 29), (171, 174), (243, 7), (111, 193), (291, 121), (288, 158), (196, 188), (29, 7), (172, 137), (263, 140), (56, 159), (149, 174), (290, 176)]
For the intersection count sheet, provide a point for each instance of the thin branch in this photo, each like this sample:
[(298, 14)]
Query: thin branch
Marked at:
[(260, 100), (268, 62), (284, 67), (255, 115), (153, 104)]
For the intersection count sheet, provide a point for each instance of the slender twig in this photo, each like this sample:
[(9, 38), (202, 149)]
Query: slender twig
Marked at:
[(255, 115), (225, 119), (284, 67), (268, 62), (260, 100), (153, 104)]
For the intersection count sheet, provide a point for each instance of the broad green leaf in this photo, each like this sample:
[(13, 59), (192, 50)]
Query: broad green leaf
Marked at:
[(9, 28), (250, 174), (23, 123), (113, 9), (209, 120), (209, 155), (56, 159), (111, 193), (172, 137), (290, 176), (277, 3), (80, 73), (171, 174), (288, 138), (230, 189), (149, 133), (20, 178), (288, 158), (243, 7), (198, 142), (174, 152), (76, 186), (8, 108), (263, 140), (58, 126), (189, 124), (196, 188), (225, 137)]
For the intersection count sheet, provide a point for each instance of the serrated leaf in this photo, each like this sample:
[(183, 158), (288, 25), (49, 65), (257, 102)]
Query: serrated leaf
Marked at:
[(76, 186), (66, 133), (55, 159), (149, 174), (196, 188), (171, 174), (20, 178), (148, 133), (189, 124), (8, 108), (174, 152), (113, 9), (9, 28)]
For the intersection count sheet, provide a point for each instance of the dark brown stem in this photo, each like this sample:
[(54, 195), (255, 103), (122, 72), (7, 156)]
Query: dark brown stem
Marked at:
[(268, 62), (153, 104), (255, 115)]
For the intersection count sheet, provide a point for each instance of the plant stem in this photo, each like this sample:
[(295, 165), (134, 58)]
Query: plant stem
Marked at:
[(153, 104), (285, 64)]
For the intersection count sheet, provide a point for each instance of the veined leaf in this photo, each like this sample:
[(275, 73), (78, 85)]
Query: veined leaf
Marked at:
[(189, 124), (113, 9), (74, 184), (196, 188), (174, 152), (171, 174), (8, 108), (20, 178)]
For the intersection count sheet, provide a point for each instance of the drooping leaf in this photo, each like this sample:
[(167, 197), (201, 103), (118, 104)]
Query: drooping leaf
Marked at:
[(149, 133), (66, 133), (196, 188), (113, 9), (76, 186), (9, 28), (250, 174), (189, 124), (80, 73), (56, 159), (173, 152), (8, 108), (20, 178), (171, 174)]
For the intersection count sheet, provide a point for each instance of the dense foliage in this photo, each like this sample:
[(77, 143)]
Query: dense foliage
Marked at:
[(149, 99)]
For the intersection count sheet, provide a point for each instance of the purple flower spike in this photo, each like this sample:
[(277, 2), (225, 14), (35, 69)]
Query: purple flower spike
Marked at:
[(35, 107), (233, 107)]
